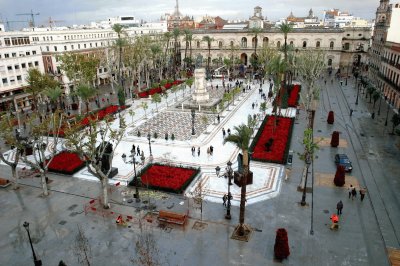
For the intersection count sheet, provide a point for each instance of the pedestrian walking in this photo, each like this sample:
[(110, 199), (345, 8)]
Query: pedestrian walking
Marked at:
[(211, 150), (138, 150), (208, 151), (349, 190), (198, 151), (353, 193), (133, 148), (362, 193), (351, 111), (193, 151), (223, 132), (218, 118), (224, 199), (229, 131), (339, 207), (252, 105), (341, 83)]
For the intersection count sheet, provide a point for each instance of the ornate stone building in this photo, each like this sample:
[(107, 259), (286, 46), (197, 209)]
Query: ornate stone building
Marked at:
[(384, 56)]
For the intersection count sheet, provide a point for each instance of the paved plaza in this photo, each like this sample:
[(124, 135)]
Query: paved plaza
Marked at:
[(368, 229)]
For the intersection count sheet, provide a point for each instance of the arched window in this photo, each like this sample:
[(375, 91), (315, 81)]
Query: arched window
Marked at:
[(318, 44), (331, 44), (244, 42), (232, 44), (304, 44), (254, 42), (291, 44), (220, 44), (265, 41), (198, 44), (278, 44), (329, 61)]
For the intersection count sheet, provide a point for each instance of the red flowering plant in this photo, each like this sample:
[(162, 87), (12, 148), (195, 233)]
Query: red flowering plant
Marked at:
[(158, 89), (167, 177), (294, 96), (272, 142), (66, 163)]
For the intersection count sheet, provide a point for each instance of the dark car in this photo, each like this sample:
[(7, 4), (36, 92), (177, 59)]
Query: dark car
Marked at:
[(342, 159)]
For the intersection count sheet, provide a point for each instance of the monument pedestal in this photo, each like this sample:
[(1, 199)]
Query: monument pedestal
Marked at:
[(200, 94)]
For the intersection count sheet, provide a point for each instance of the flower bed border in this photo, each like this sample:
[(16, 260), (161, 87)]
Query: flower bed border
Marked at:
[(296, 102), (177, 191), (80, 167), (258, 135)]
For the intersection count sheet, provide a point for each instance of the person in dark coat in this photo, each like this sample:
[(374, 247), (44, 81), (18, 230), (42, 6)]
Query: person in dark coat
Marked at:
[(353, 193), (339, 207), (198, 151)]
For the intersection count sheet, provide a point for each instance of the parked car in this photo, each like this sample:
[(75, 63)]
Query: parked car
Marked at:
[(342, 159)]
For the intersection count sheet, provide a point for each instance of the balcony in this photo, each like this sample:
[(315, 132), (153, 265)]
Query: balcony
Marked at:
[(389, 82)]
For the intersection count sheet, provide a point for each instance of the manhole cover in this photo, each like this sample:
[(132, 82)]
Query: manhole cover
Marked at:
[(326, 211), (62, 222), (199, 225)]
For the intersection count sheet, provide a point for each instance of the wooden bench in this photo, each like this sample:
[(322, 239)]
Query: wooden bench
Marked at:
[(172, 217), (4, 183)]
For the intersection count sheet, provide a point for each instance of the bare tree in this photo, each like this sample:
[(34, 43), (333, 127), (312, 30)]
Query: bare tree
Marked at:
[(146, 251)]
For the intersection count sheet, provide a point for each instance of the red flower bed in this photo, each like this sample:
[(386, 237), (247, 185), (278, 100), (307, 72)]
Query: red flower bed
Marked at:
[(147, 93), (277, 150), (168, 178), (66, 163), (294, 96)]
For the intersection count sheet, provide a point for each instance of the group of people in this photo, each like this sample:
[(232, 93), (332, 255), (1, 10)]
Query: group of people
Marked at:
[(339, 206), (225, 200), (224, 132)]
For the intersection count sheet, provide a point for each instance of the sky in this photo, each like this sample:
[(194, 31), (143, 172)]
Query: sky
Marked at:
[(84, 11)]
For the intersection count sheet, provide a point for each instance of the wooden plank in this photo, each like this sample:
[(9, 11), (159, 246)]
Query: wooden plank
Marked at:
[(394, 256)]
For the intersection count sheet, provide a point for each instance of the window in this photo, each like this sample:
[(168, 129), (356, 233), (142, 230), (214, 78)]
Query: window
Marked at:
[(72, 47), (198, 44), (278, 44), (100, 70), (28, 53), (346, 46), (244, 42), (304, 44), (14, 54), (23, 65), (33, 52), (4, 80), (6, 55), (90, 45), (47, 48), (291, 44), (329, 62), (265, 41), (7, 41), (36, 63), (19, 78), (55, 48), (16, 66), (220, 44), (331, 44), (318, 44), (84, 45), (9, 67), (30, 64)]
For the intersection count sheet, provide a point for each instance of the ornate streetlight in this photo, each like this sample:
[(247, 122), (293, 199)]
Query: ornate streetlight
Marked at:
[(308, 163), (193, 116), (229, 173), (36, 261), (149, 139), (133, 161)]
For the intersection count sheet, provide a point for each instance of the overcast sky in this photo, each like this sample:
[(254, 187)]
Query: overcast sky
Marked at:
[(85, 11)]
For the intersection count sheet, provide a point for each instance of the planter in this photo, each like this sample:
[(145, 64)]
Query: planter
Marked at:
[(331, 118), (340, 175), (335, 139), (281, 247)]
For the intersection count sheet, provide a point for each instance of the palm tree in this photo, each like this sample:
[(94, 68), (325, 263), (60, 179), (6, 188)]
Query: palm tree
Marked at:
[(167, 38), (85, 92), (208, 40), (285, 29), (176, 32), (241, 138), (118, 28), (188, 43), (255, 31), (53, 94), (278, 67)]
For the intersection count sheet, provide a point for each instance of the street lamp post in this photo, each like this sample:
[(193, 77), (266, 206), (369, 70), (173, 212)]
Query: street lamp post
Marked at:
[(193, 116), (303, 198), (229, 173), (36, 261), (387, 115), (136, 195), (149, 139), (358, 89)]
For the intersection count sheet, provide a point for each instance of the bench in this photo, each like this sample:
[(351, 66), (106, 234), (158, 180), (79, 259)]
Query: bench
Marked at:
[(172, 217), (4, 183)]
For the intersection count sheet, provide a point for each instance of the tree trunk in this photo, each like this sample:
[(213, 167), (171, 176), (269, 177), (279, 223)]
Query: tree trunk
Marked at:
[(104, 188), (44, 183), (243, 192), (15, 175)]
